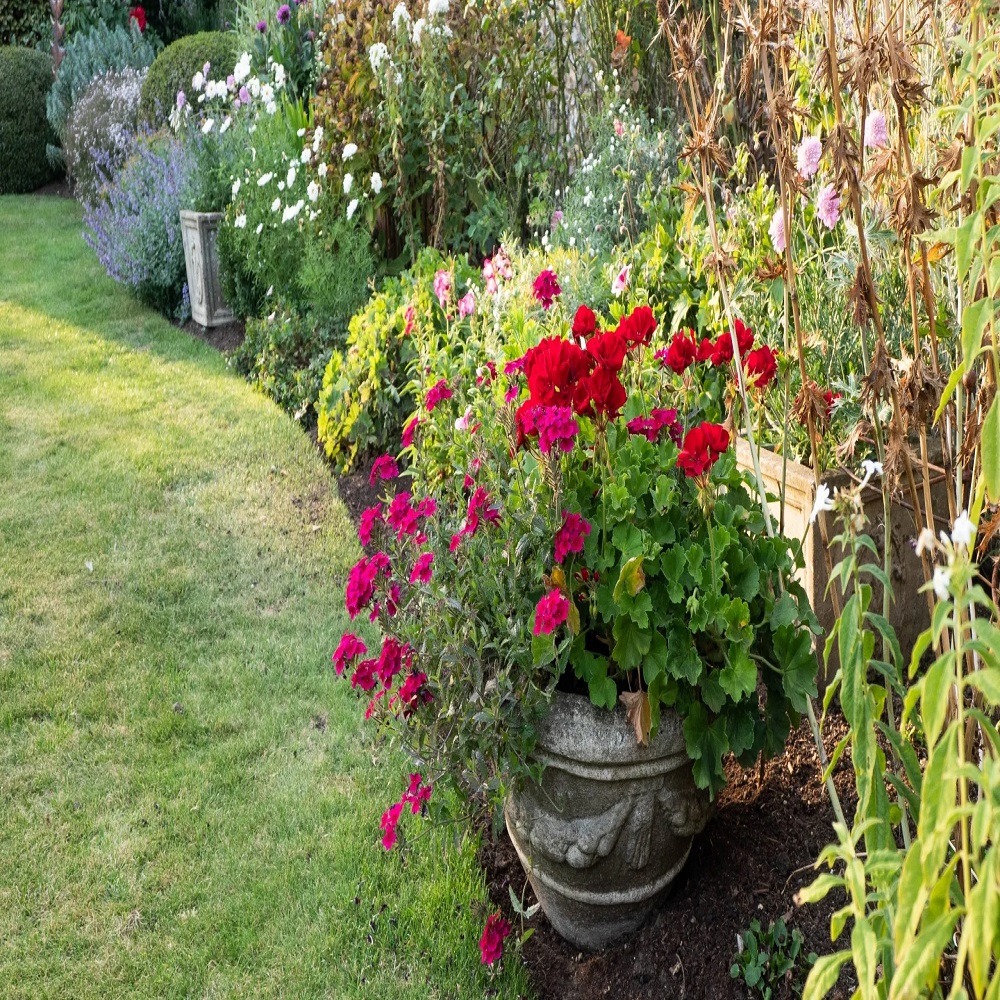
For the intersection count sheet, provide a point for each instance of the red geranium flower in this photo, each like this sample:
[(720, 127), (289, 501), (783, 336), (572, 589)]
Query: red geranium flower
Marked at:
[(638, 327), (705, 350), (608, 349), (702, 446), (494, 933), (570, 537), (681, 353), (584, 322), (553, 367), (761, 367), (607, 394), (138, 14), (550, 612)]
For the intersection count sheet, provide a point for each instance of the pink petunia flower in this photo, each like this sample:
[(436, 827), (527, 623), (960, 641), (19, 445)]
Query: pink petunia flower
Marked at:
[(369, 518), (384, 467), (350, 647)]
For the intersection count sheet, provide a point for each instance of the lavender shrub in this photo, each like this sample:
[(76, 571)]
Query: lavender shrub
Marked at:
[(133, 223)]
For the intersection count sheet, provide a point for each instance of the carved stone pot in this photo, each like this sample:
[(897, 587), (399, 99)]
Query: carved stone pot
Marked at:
[(611, 824), (201, 260)]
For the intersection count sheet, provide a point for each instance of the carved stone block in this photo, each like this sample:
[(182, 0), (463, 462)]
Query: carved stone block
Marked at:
[(201, 258)]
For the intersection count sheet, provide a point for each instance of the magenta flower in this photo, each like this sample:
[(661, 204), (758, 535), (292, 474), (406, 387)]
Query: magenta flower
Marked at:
[(369, 518), (619, 128), (807, 156), (570, 537), (438, 393), (442, 286), (361, 581), (828, 206), (262, 26), (408, 431), (501, 264), (422, 569), (550, 612), (384, 467), (284, 14), (546, 288), (491, 943), (350, 647), (554, 425), (412, 693), (388, 824), (556, 220), (876, 130)]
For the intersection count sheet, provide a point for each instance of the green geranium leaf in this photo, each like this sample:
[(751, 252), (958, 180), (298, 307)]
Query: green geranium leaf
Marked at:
[(683, 661), (793, 649), (672, 564), (632, 577), (664, 492), (739, 677), (627, 539), (712, 693), (785, 611), (706, 745), (655, 662), (695, 561), (632, 642)]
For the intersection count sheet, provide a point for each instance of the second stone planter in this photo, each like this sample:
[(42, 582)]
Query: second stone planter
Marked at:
[(608, 829)]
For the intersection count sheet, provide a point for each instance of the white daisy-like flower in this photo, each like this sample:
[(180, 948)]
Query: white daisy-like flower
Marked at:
[(207, 125), (198, 80), (292, 210), (823, 502), (400, 13), (240, 222), (279, 75), (377, 55), (260, 228), (242, 68), (306, 154), (290, 179), (225, 125), (435, 7), (312, 191), (349, 150), (352, 208), (348, 183), (237, 184), (275, 205), (418, 30), (322, 169), (963, 531), (264, 179), (317, 138), (941, 581), (376, 182)]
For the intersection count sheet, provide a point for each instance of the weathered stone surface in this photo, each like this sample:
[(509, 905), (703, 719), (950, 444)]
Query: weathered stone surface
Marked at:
[(201, 260), (610, 826)]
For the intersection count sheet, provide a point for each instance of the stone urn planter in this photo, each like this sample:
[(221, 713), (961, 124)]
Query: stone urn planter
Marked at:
[(201, 259), (610, 826)]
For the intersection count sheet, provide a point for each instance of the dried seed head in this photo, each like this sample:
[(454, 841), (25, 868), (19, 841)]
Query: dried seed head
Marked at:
[(880, 382)]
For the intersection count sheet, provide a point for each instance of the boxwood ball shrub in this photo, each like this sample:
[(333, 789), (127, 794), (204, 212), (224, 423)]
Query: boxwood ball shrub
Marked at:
[(177, 64), (25, 79)]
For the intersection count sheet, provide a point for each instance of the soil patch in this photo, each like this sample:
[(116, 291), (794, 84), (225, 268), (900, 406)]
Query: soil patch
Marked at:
[(225, 338), (55, 189), (755, 854)]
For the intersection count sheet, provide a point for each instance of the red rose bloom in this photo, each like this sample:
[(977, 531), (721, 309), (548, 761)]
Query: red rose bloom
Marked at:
[(584, 322), (761, 367), (702, 446), (494, 933), (138, 14), (608, 349)]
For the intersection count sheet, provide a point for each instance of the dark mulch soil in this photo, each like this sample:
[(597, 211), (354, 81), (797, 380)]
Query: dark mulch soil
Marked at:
[(225, 338), (753, 856), (56, 189)]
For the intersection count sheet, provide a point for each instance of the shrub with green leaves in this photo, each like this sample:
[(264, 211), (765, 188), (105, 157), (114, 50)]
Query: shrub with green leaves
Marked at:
[(25, 79), (771, 962), (91, 54), (24, 23), (177, 64)]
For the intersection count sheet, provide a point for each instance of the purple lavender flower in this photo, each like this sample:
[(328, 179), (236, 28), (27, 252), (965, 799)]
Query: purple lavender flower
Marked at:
[(310, 35), (262, 26), (284, 14)]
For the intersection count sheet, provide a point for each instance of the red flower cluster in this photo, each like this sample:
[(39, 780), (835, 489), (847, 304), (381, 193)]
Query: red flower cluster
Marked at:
[(413, 693), (138, 14), (350, 647), (554, 426), (570, 537), (415, 796), (761, 366), (478, 508), (384, 467), (494, 933), (685, 349), (422, 569), (638, 327), (584, 322), (657, 420), (438, 393), (546, 288), (550, 612), (702, 446), (361, 581)]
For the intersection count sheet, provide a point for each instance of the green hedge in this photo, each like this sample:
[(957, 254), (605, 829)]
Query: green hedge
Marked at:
[(177, 63), (25, 79), (24, 22)]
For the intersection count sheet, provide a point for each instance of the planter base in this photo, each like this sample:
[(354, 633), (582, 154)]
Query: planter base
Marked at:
[(201, 260)]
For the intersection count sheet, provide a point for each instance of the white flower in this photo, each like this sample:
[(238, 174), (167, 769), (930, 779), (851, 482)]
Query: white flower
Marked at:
[(352, 208), (925, 541), (275, 205), (312, 191), (400, 13), (240, 222), (871, 469), (964, 531), (322, 169), (290, 179), (267, 93), (349, 150), (260, 228), (279, 75), (306, 154), (348, 183), (418, 30), (253, 85), (225, 125), (198, 80), (269, 292), (823, 502), (264, 179), (292, 210), (377, 55), (281, 185), (941, 581), (462, 423), (271, 108), (376, 182), (317, 138), (237, 184), (242, 69), (435, 7), (207, 125)]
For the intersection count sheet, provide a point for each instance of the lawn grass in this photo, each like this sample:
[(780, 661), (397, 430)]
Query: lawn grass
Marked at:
[(190, 798)]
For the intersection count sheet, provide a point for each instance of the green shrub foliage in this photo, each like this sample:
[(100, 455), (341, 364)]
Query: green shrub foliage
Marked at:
[(177, 64), (91, 54), (24, 22), (25, 79)]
